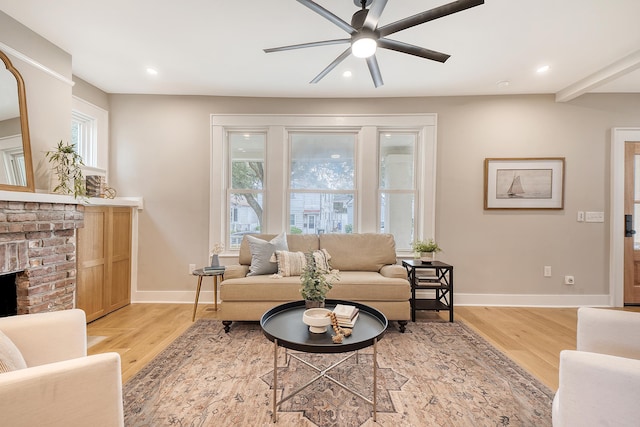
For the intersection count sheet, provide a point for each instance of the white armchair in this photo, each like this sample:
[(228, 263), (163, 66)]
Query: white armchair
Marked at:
[(61, 385), (599, 382)]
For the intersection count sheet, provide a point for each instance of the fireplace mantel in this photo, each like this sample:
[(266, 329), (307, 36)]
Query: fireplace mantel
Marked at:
[(19, 196)]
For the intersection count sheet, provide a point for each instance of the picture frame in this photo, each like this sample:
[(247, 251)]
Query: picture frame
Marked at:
[(524, 183)]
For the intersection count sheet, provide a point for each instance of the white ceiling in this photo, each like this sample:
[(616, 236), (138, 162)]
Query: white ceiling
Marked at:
[(214, 47)]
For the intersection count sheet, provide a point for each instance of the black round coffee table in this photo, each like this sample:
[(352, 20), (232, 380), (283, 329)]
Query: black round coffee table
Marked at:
[(283, 325)]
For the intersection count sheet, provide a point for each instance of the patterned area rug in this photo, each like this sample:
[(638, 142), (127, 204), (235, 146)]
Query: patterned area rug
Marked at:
[(435, 374)]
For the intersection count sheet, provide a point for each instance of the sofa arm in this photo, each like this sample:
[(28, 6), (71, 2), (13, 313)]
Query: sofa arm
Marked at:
[(235, 271), (48, 337), (606, 331), (597, 390), (80, 392), (394, 271)]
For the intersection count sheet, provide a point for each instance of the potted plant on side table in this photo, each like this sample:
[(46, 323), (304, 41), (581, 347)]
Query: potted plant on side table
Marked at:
[(427, 249)]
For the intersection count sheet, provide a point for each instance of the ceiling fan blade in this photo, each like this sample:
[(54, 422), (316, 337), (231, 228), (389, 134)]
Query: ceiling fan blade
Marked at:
[(328, 15), (374, 69), (303, 45), (412, 50), (371, 21), (331, 66), (429, 15)]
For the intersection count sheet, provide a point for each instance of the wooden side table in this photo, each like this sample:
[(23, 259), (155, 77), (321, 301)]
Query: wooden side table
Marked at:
[(217, 274)]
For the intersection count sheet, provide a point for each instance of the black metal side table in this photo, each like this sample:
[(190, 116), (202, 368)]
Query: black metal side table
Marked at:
[(437, 277), (283, 325)]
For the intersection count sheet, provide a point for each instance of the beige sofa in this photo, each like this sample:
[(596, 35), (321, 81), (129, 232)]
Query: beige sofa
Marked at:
[(368, 274)]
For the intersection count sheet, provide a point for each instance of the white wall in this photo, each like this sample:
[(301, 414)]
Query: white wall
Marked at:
[(160, 148)]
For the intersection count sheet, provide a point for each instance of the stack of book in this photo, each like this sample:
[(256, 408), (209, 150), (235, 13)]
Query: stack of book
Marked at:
[(213, 269), (346, 315)]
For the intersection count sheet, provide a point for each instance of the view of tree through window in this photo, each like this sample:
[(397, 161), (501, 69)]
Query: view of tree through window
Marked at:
[(247, 185), (322, 182)]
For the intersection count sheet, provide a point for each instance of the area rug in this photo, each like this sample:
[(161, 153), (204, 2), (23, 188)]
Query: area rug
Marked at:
[(435, 374)]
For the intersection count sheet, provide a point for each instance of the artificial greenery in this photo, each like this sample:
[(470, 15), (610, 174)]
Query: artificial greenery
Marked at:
[(67, 167), (426, 246), (315, 282)]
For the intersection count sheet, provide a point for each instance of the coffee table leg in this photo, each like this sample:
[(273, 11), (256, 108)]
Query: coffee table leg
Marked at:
[(275, 379), (375, 378)]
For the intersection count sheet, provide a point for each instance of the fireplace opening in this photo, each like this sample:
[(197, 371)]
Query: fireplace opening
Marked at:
[(8, 295)]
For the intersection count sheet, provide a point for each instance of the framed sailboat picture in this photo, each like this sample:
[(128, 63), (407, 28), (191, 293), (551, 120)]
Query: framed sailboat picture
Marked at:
[(524, 183)]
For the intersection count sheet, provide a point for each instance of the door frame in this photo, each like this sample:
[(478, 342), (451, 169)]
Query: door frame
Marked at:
[(619, 136)]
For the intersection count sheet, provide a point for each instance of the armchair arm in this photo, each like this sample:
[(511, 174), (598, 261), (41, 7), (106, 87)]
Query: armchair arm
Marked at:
[(394, 270), (597, 390), (80, 392), (606, 331), (235, 271), (48, 337)]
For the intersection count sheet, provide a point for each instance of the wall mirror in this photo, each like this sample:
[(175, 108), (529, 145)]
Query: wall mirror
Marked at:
[(16, 167)]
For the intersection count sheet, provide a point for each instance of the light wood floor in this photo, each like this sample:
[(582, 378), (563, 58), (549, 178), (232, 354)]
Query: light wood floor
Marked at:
[(532, 337)]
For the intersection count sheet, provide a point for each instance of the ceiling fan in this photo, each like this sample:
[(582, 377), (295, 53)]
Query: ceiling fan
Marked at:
[(366, 36)]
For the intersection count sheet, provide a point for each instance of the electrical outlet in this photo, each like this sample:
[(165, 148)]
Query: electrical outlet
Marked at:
[(191, 268), (547, 271), (569, 280)]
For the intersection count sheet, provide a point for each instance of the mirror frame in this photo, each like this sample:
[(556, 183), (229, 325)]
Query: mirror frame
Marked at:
[(24, 125)]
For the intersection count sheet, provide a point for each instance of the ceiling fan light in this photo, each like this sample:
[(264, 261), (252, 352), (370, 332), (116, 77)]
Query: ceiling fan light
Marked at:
[(364, 47)]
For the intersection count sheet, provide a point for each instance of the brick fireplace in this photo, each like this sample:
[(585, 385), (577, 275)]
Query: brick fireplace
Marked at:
[(38, 243)]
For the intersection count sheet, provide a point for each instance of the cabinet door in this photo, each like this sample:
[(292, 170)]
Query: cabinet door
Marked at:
[(92, 263), (104, 261), (119, 235)]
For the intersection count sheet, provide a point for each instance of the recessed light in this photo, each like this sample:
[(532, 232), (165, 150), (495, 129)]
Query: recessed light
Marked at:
[(347, 74), (503, 83), (543, 69), (152, 71)]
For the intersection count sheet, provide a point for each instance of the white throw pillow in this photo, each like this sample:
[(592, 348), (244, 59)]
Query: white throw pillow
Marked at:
[(261, 252), (10, 357)]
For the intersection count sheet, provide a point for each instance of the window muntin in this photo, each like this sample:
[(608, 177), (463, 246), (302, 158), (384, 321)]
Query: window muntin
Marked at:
[(84, 137)]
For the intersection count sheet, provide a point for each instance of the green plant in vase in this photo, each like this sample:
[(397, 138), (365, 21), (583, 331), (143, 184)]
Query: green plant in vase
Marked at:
[(67, 166), (426, 248), (316, 282)]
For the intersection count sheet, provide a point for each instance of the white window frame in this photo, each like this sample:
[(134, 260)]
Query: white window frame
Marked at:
[(368, 127), (96, 120)]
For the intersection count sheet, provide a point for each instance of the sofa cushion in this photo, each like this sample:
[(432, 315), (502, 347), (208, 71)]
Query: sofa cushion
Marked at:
[(290, 263), (359, 252), (261, 251), (293, 263), (352, 286), (295, 242), (10, 357)]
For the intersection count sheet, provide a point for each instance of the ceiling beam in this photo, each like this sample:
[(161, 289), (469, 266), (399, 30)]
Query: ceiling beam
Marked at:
[(609, 73)]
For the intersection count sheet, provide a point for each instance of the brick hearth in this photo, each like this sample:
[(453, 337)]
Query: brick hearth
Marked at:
[(38, 241)]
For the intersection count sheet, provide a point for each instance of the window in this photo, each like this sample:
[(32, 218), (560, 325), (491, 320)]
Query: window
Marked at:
[(90, 135), (397, 191), (323, 174), (322, 181), (246, 192)]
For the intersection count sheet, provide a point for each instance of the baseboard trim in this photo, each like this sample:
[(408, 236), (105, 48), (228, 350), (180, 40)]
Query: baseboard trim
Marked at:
[(510, 300), (532, 300), (183, 297)]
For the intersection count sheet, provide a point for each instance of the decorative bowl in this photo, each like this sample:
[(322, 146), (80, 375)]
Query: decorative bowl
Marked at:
[(317, 319)]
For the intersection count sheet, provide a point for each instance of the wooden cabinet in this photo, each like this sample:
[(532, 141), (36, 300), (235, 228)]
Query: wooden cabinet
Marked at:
[(104, 260)]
